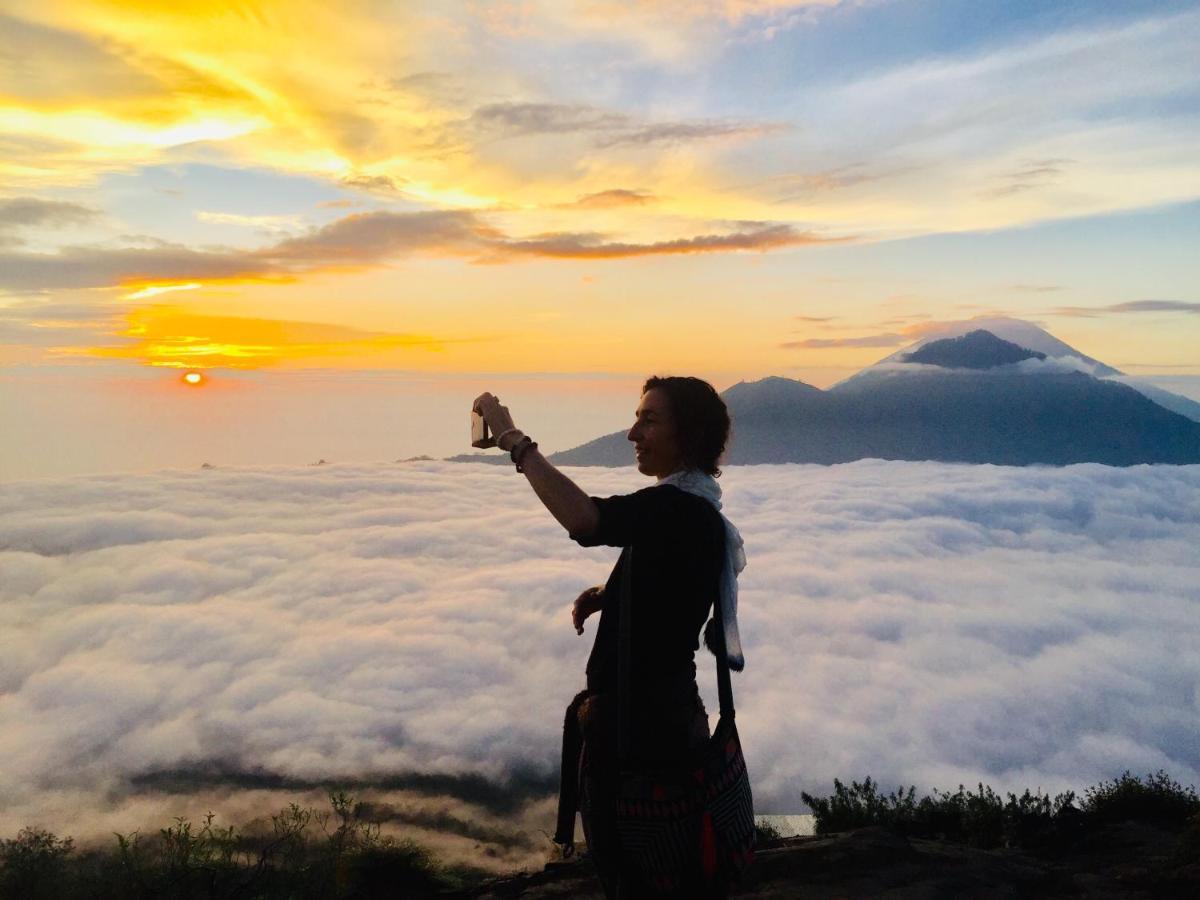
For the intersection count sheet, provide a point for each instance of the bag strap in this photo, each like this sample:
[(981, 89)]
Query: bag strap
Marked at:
[(623, 655), (724, 683)]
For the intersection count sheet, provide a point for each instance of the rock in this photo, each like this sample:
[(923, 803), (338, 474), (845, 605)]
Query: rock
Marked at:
[(1126, 860)]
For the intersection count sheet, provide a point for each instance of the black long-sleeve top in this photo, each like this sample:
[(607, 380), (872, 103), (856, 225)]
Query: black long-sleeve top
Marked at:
[(678, 542)]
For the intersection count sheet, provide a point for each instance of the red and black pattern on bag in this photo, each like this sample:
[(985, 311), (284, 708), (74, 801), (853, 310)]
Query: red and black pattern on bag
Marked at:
[(690, 826)]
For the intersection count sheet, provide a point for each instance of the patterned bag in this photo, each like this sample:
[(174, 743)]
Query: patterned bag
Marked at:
[(691, 826)]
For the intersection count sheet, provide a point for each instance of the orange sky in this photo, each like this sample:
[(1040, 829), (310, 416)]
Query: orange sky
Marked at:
[(736, 189)]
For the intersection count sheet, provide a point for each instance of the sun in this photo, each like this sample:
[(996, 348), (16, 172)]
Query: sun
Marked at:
[(194, 379)]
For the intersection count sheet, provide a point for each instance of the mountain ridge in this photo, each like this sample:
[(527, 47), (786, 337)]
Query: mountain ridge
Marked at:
[(970, 397)]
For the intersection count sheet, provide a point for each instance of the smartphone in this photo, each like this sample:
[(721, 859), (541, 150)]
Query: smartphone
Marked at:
[(479, 432)]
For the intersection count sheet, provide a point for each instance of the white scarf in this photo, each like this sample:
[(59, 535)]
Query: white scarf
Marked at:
[(704, 485)]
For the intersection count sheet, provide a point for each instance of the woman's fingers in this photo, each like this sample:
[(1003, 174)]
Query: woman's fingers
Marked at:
[(590, 601), (484, 402), (496, 416), (580, 612)]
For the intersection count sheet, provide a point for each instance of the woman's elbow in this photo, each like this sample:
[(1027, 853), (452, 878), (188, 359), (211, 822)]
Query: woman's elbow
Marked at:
[(585, 522)]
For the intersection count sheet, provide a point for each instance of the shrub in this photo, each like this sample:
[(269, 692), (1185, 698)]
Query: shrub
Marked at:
[(1033, 820), (859, 806), (303, 853), (981, 818), (32, 864), (765, 833), (1158, 800)]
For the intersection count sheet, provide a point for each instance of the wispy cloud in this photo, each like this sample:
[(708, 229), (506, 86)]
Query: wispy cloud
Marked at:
[(912, 328), (1031, 175), (611, 199), (387, 185), (1035, 288), (33, 212), (576, 246), (50, 323), (371, 237), (683, 132), (808, 186), (99, 266), (514, 119), (1132, 306), (272, 224), (360, 240), (889, 339), (605, 127)]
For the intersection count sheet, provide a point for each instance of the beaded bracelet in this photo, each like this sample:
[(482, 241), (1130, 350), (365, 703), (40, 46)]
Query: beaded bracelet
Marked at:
[(502, 435)]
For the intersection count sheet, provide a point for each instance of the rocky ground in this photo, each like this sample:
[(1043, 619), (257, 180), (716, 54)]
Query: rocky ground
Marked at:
[(1121, 861)]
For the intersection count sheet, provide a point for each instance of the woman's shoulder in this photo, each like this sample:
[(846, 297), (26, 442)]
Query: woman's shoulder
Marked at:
[(692, 510)]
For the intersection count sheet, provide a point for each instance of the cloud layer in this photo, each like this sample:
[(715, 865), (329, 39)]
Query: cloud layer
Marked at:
[(917, 622)]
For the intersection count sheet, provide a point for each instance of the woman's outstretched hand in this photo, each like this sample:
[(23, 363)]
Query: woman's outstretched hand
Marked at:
[(497, 417), (590, 601)]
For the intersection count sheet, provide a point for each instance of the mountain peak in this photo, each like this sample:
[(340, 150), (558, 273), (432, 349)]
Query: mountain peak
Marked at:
[(1023, 333), (977, 349), (774, 387)]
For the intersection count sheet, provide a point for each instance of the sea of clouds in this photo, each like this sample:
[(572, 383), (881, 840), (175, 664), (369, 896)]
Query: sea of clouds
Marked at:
[(237, 638)]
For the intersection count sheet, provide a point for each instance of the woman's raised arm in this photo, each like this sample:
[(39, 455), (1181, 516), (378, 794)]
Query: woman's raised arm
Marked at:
[(570, 506)]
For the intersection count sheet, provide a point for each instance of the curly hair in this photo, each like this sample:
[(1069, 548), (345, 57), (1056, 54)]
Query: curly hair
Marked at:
[(702, 423)]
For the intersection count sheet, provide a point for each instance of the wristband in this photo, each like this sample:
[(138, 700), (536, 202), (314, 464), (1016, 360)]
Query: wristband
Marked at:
[(519, 450)]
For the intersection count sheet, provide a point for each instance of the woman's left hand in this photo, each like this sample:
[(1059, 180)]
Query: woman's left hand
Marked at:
[(590, 601), (497, 417)]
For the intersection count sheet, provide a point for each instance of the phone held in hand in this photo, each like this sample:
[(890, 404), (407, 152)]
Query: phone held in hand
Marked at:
[(479, 432)]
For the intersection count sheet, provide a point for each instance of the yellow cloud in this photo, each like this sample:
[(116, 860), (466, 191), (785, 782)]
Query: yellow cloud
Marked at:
[(292, 74), (178, 338), (337, 90), (153, 290)]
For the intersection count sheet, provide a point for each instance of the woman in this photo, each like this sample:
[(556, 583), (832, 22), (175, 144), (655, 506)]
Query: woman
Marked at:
[(679, 543)]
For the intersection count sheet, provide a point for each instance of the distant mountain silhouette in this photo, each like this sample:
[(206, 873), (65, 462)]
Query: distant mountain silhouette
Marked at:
[(974, 350), (1015, 331), (967, 399), (1185, 406)]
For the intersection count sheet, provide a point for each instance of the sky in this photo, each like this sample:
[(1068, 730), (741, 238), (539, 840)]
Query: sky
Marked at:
[(295, 199), (229, 639)]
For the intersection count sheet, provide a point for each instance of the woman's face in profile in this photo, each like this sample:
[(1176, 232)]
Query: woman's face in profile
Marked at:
[(653, 434)]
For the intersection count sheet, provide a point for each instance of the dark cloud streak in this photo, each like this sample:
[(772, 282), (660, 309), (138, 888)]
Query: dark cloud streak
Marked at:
[(1132, 306), (362, 239), (1032, 175), (33, 212), (607, 129), (574, 246)]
